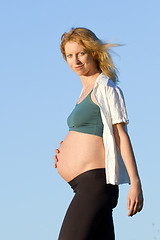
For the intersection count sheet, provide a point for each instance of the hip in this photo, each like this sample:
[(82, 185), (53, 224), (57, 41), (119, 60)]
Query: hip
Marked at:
[(92, 183)]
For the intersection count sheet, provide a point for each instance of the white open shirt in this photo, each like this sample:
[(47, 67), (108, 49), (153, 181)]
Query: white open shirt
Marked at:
[(111, 102)]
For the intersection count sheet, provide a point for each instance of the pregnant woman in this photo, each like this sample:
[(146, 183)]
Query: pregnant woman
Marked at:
[(96, 155)]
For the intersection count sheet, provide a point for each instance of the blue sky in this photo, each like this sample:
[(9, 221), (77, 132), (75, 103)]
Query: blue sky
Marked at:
[(37, 93)]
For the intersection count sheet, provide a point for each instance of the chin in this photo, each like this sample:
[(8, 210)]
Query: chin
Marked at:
[(80, 73), (83, 73)]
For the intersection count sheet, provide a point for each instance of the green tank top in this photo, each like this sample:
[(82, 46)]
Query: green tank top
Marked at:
[(86, 118)]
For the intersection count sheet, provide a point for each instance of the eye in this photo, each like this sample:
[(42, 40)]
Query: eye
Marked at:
[(81, 53), (69, 55)]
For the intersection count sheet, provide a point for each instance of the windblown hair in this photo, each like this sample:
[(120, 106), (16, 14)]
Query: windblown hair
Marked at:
[(94, 46)]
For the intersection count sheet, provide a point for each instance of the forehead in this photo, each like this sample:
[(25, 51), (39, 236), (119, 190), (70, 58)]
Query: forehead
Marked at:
[(73, 47)]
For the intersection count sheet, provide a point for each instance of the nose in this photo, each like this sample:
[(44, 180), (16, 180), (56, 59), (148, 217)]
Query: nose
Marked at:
[(77, 61)]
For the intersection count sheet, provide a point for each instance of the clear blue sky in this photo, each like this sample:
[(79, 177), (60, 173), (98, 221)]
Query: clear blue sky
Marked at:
[(37, 93)]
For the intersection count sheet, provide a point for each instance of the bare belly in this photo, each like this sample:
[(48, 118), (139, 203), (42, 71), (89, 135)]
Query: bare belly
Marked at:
[(80, 152)]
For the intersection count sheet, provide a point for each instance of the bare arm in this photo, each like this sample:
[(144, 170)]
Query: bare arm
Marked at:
[(135, 195)]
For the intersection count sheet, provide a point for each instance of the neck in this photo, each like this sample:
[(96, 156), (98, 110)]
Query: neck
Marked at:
[(89, 81)]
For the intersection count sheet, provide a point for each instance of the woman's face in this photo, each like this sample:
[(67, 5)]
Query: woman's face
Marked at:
[(79, 60)]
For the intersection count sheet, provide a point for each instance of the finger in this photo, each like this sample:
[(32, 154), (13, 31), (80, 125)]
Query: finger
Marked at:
[(57, 151), (55, 158), (128, 203), (131, 209), (55, 165), (135, 208), (140, 206)]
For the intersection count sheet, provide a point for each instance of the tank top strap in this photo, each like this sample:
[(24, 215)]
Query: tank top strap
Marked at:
[(88, 95)]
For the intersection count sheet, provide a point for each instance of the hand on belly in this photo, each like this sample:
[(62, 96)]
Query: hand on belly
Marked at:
[(77, 153), (57, 151)]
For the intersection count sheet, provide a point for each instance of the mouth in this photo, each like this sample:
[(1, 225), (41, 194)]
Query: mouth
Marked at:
[(79, 67)]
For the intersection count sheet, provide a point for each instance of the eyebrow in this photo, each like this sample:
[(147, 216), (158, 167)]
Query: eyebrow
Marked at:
[(76, 52)]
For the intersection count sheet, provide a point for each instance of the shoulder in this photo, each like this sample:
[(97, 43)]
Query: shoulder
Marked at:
[(107, 84)]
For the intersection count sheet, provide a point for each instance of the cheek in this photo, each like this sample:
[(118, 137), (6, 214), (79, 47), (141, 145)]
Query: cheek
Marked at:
[(90, 61), (85, 59), (69, 63)]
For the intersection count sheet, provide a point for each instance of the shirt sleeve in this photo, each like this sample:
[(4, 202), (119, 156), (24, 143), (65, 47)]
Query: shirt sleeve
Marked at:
[(117, 106)]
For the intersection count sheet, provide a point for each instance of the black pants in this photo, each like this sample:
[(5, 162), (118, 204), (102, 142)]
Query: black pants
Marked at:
[(89, 216)]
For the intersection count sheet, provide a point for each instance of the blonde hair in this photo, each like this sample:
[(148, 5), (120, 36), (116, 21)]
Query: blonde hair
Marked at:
[(94, 46)]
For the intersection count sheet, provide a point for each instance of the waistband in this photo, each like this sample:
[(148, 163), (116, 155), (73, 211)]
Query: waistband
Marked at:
[(92, 173)]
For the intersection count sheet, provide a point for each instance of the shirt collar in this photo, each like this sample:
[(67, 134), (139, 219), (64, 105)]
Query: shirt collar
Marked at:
[(102, 79)]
